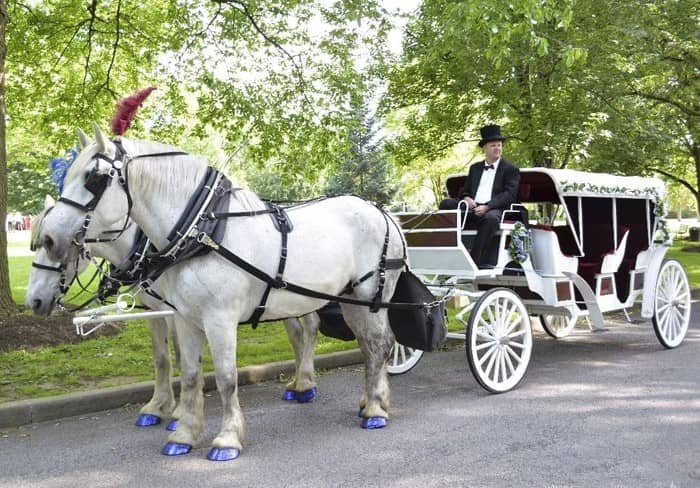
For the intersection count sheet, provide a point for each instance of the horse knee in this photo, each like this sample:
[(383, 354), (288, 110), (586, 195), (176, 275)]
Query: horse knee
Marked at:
[(190, 380)]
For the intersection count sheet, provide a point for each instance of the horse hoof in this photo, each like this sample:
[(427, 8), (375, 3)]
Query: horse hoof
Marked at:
[(373, 423), (360, 412), (147, 420), (176, 449), (306, 396), (223, 453), (289, 395), (172, 425)]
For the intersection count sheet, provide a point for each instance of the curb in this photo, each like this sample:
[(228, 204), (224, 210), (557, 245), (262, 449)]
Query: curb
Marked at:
[(15, 414)]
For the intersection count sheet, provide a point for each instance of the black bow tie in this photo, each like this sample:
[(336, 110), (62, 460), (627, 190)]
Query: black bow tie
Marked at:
[(488, 167)]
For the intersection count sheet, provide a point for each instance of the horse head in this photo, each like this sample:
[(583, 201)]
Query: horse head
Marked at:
[(48, 279), (91, 196)]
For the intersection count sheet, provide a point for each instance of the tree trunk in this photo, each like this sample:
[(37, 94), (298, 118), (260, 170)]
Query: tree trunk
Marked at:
[(7, 305)]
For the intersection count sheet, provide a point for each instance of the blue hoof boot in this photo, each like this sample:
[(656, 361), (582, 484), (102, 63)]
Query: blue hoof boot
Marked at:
[(147, 420), (306, 396), (176, 449), (223, 453), (373, 423), (289, 395), (172, 425)]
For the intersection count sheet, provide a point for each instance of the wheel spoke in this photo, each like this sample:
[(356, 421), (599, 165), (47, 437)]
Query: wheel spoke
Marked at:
[(486, 355), (484, 345), (504, 370), (487, 325), (517, 344), (512, 354), (488, 337), (507, 355), (492, 360), (517, 334)]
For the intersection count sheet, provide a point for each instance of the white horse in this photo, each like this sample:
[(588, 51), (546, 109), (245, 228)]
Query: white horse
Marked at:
[(335, 242), (48, 279)]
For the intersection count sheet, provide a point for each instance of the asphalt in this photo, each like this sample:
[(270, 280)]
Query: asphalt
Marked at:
[(15, 414)]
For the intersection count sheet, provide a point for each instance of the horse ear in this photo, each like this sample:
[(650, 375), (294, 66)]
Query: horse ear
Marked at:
[(49, 202), (100, 138), (83, 138)]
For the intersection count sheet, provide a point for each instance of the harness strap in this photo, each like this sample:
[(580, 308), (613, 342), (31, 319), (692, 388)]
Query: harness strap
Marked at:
[(284, 228), (58, 269), (291, 287)]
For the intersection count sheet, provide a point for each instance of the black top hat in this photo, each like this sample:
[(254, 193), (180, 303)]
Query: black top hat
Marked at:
[(490, 133)]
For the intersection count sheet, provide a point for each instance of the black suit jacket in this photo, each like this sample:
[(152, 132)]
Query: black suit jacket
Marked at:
[(505, 184)]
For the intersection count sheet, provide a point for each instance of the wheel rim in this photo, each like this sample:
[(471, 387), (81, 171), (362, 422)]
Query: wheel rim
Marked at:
[(671, 304), (499, 341), (402, 358), (557, 326)]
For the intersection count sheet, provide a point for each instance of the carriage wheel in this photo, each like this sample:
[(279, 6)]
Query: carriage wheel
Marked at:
[(671, 304), (402, 359), (499, 340), (557, 326)]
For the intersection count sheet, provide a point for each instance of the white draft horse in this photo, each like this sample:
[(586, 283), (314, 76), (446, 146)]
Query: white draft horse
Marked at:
[(48, 279), (334, 243)]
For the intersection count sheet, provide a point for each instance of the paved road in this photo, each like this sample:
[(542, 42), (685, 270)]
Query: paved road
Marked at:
[(610, 409)]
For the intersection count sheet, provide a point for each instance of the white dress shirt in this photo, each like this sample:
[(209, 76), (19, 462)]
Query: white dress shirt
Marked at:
[(483, 192)]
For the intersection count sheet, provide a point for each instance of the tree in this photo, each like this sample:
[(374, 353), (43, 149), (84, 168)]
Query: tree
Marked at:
[(467, 63), (607, 85), (6, 302), (364, 169), (250, 70), (27, 188)]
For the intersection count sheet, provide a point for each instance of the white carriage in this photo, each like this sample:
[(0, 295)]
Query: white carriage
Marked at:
[(585, 245)]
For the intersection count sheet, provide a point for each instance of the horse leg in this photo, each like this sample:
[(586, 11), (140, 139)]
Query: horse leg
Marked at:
[(191, 423), (303, 339), (222, 337), (375, 340), (177, 413), (163, 401)]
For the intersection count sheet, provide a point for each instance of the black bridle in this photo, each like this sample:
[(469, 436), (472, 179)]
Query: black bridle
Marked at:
[(97, 183)]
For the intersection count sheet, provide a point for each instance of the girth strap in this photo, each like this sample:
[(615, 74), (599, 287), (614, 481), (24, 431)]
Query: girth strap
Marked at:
[(284, 225)]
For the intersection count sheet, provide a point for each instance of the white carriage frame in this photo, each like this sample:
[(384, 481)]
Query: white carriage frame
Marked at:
[(551, 276)]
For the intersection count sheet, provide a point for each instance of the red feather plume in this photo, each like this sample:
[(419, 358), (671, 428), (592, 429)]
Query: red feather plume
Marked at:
[(126, 110)]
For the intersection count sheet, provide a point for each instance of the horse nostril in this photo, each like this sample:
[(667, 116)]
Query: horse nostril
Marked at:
[(48, 242), (36, 304)]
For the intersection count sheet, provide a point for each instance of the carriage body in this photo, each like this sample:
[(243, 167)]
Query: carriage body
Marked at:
[(597, 244)]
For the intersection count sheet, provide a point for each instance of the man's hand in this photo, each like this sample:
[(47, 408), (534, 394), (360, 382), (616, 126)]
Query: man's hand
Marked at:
[(470, 202), (480, 210)]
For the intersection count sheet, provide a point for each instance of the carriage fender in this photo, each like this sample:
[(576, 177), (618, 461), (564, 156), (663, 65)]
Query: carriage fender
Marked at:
[(651, 276)]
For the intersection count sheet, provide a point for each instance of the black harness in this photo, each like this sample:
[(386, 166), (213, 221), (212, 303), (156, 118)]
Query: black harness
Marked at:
[(202, 225)]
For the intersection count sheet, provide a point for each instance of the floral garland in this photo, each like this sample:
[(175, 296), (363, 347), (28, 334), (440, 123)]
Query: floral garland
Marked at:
[(652, 192), (520, 243)]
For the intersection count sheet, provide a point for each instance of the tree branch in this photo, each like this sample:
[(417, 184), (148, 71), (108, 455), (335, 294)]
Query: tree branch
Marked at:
[(92, 8), (297, 69), (675, 178), (683, 108)]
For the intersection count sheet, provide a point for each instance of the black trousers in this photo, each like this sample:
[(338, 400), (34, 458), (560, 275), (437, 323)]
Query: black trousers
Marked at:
[(486, 227)]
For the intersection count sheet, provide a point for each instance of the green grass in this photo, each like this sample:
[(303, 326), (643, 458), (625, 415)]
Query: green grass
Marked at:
[(126, 358), (690, 261)]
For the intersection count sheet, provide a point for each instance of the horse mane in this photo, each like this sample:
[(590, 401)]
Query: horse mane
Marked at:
[(34, 241), (126, 110)]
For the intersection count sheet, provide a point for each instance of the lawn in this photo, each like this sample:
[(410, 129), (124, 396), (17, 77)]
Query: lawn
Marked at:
[(126, 358)]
